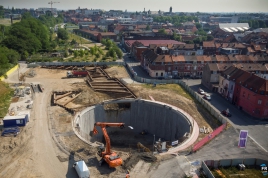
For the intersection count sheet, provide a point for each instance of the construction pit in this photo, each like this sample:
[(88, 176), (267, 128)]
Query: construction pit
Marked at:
[(84, 93), (145, 122)]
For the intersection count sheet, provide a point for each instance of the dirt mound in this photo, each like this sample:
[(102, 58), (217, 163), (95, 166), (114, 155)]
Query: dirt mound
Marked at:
[(135, 157)]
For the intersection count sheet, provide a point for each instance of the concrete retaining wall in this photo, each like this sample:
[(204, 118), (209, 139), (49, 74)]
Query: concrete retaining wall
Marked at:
[(73, 63), (158, 119)]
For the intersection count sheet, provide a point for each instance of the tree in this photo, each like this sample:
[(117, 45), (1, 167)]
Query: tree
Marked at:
[(75, 54), (162, 31), (210, 38), (81, 53), (2, 11), (73, 42), (147, 27), (24, 55), (103, 41), (66, 53), (198, 25), (62, 34), (190, 42)]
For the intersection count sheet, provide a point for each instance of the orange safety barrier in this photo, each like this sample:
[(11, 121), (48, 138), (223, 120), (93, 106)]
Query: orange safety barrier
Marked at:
[(209, 137)]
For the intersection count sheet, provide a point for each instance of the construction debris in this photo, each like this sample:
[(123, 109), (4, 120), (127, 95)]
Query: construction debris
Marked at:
[(65, 98), (100, 81)]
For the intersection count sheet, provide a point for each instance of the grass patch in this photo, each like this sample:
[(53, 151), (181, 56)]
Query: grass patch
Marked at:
[(233, 172), (7, 21), (6, 94), (173, 87), (78, 39)]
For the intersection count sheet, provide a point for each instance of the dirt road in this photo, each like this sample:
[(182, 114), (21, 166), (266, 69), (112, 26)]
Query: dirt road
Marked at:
[(37, 155)]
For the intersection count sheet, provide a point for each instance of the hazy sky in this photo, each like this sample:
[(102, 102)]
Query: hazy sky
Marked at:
[(153, 5)]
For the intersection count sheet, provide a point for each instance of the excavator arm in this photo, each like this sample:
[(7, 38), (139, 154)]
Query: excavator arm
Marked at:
[(103, 126)]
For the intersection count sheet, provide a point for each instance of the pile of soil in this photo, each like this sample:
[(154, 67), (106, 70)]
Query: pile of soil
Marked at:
[(135, 157)]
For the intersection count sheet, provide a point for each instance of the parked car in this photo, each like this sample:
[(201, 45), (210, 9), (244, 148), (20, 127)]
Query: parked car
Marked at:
[(177, 77), (11, 131), (207, 96), (200, 91), (226, 113)]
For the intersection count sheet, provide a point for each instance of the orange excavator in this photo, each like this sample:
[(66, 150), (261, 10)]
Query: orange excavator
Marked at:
[(111, 158)]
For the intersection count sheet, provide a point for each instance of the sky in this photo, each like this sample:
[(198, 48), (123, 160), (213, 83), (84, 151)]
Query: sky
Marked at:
[(153, 5)]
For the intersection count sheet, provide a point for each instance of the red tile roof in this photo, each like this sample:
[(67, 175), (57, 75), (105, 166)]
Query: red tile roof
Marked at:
[(208, 44), (148, 42)]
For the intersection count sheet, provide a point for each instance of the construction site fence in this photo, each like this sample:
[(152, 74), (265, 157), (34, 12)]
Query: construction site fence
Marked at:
[(212, 110), (214, 164), (234, 162), (72, 64), (206, 170), (206, 139)]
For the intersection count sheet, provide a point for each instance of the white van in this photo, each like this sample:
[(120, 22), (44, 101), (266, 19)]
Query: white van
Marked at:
[(81, 169)]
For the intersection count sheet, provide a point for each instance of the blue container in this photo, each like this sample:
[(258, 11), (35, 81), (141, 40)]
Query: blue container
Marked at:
[(12, 121)]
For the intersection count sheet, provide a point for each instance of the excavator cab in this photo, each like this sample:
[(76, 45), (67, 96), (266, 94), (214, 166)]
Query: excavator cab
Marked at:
[(100, 150)]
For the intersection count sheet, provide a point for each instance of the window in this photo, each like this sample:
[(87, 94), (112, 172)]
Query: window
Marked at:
[(19, 121), (161, 74), (259, 101), (156, 74), (176, 68)]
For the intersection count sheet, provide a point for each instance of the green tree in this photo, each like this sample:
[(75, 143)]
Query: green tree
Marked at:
[(198, 25), (81, 53), (103, 41), (75, 54), (24, 55), (73, 42), (62, 34), (147, 27), (2, 11), (108, 43), (66, 53), (210, 38), (162, 31)]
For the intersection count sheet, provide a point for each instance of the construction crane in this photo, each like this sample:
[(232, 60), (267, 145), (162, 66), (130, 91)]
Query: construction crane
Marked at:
[(51, 2), (106, 154)]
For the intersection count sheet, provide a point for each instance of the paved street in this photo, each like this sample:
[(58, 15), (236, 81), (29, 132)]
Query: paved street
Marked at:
[(240, 120)]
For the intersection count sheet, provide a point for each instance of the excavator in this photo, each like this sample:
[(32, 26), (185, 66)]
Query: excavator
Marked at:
[(107, 155)]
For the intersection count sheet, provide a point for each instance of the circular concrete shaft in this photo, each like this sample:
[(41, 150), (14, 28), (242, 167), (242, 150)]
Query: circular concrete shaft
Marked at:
[(162, 120)]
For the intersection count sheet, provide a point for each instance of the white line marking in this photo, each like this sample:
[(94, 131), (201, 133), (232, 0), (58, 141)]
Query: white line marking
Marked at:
[(257, 143)]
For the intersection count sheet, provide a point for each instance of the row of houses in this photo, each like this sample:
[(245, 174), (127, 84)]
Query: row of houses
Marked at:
[(246, 90), (158, 64)]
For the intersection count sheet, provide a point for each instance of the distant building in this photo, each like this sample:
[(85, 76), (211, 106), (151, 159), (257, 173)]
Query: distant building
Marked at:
[(170, 10)]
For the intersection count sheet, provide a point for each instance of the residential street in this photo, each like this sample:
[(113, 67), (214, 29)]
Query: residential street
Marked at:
[(240, 120)]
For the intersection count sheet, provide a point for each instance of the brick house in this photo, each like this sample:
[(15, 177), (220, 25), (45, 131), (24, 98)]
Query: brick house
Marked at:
[(187, 49), (230, 48), (211, 73), (253, 97), (209, 47)]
